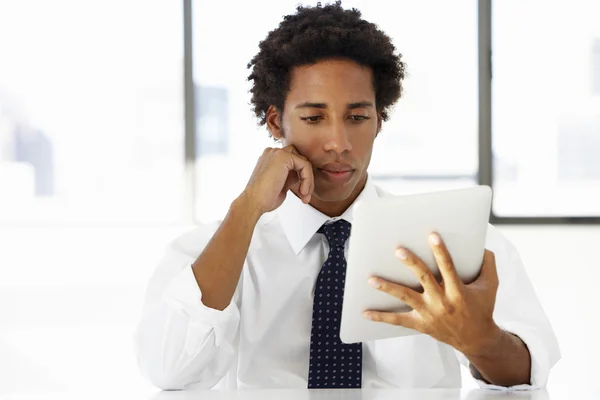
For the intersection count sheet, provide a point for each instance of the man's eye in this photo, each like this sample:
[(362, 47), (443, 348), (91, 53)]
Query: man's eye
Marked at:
[(358, 117), (311, 119)]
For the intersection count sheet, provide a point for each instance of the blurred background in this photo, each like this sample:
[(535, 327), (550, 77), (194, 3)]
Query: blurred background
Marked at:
[(98, 174)]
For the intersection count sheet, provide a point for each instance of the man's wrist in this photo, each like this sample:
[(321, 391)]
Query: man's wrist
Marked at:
[(243, 205), (489, 344)]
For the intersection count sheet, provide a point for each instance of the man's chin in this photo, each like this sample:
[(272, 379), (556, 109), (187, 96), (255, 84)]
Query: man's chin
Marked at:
[(333, 194), (330, 192)]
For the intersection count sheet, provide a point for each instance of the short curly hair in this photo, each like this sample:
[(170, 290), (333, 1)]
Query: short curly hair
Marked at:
[(316, 33)]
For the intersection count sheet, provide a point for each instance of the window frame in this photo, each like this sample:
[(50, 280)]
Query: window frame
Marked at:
[(485, 169)]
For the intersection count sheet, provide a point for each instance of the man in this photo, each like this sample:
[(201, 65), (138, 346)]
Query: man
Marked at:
[(237, 305)]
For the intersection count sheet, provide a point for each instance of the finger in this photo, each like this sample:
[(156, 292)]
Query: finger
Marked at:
[(299, 165), (420, 270), (292, 149), (489, 270), (305, 185), (407, 295), (410, 319), (292, 183), (445, 264), (305, 173)]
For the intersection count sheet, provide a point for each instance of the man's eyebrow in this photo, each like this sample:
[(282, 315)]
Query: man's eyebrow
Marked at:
[(360, 104), (350, 106), (309, 104)]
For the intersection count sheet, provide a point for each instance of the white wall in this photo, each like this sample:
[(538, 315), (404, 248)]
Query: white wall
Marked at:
[(563, 263), (69, 301), (70, 298)]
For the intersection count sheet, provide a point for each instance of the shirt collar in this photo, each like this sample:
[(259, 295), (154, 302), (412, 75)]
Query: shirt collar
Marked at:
[(301, 221)]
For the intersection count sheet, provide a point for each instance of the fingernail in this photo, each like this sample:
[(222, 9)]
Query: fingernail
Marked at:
[(435, 239), (368, 315), (401, 254), (375, 283)]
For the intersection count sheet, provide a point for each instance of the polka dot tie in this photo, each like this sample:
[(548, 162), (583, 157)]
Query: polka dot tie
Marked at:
[(333, 364)]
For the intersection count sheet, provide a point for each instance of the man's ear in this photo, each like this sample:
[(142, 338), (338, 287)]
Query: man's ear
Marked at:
[(379, 123), (274, 122)]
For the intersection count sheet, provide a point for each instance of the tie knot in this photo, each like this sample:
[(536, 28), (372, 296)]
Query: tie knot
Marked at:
[(337, 232)]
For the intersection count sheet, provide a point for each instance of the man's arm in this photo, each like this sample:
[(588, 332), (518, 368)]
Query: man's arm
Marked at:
[(519, 312), (186, 335), (217, 270), (504, 361)]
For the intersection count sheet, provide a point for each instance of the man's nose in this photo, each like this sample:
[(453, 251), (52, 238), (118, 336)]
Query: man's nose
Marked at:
[(337, 138)]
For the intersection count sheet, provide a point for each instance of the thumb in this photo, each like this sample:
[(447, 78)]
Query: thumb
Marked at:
[(489, 272)]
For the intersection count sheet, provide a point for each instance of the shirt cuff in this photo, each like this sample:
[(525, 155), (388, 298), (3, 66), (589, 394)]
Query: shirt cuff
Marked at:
[(540, 368), (184, 296)]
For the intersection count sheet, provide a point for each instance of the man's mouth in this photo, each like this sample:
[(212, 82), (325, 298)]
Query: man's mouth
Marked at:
[(337, 167), (337, 173)]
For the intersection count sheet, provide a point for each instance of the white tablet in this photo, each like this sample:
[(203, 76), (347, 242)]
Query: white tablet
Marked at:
[(380, 225)]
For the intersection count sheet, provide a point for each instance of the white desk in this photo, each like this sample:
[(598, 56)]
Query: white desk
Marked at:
[(375, 394), (104, 393), (352, 394)]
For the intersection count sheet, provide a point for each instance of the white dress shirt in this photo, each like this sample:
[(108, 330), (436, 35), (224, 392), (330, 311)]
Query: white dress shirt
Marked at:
[(262, 339)]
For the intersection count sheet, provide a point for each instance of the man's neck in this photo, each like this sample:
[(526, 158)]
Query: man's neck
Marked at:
[(337, 208)]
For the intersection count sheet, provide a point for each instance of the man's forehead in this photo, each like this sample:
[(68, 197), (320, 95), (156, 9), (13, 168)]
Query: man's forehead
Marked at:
[(331, 82), (331, 67)]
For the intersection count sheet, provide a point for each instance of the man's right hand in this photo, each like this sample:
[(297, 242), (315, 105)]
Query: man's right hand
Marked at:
[(217, 269), (276, 172)]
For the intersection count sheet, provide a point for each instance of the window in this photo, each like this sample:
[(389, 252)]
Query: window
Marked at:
[(91, 113), (546, 108), (91, 149), (92, 146), (430, 141)]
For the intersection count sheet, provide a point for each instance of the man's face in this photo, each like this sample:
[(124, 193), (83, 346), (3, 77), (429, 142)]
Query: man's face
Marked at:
[(330, 116)]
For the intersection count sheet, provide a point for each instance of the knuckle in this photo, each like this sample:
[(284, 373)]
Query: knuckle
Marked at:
[(410, 257), (495, 282), (441, 254), (300, 156), (459, 301), (281, 155), (425, 277), (301, 161), (402, 295), (448, 307)]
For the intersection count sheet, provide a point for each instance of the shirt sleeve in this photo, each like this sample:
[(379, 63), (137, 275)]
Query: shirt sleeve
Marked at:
[(183, 295), (180, 342), (519, 312)]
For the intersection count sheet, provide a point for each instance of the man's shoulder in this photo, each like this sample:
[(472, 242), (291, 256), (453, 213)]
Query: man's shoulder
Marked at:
[(497, 242)]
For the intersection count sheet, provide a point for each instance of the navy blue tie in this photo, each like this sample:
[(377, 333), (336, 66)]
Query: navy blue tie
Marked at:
[(333, 364)]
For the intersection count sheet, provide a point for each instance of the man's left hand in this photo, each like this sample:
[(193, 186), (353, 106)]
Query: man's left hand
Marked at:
[(451, 312)]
